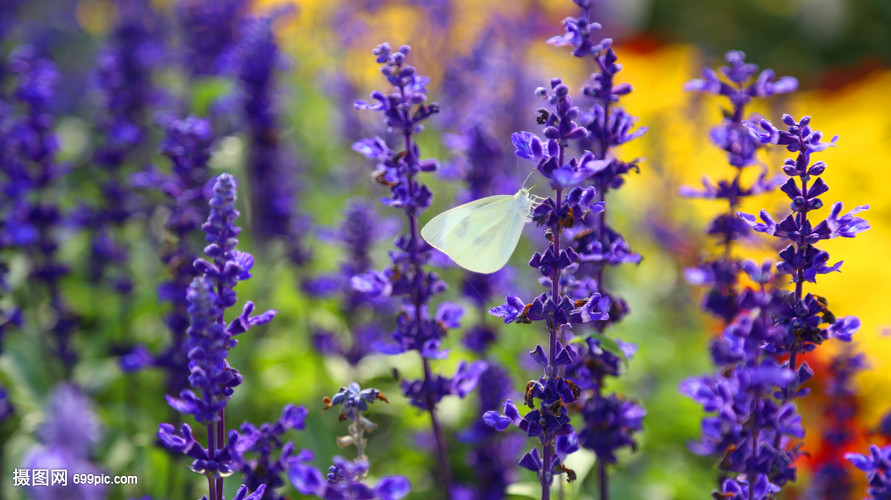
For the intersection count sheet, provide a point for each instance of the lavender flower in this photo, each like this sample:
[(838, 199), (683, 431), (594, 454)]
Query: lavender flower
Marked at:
[(550, 422), (806, 319), (750, 429), (123, 77), (353, 401), (404, 110), (744, 83), (610, 420), (345, 478), (266, 469), (68, 435), (210, 339), (271, 169), (741, 489), (756, 424), (877, 466), (358, 231), (187, 145), (31, 218)]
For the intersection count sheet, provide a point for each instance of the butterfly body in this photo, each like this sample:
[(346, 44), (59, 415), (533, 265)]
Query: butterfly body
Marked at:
[(480, 236)]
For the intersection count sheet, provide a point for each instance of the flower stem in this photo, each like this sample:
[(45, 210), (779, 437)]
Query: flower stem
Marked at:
[(442, 453), (754, 450), (799, 292), (546, 475), (212, 448), (221, 443), (604, 480)]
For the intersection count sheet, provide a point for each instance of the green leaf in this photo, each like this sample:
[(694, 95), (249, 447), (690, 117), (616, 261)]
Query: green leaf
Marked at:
[(610, 345), (207, 90)]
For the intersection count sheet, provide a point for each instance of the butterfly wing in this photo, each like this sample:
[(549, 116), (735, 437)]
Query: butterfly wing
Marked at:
[(481, 235)]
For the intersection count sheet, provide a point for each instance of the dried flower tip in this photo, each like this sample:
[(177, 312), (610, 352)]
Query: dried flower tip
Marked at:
[(344, 441), (368, 425)]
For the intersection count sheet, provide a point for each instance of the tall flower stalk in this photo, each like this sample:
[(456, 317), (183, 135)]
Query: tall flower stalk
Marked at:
[(271, 168), (742, 84), (346, 478), (360, 229), (568, 203), (750, 429), (610, 419), (756, 429), (31, 215), (746, 327), (805, 317), (212, 379), (404, 109), (123, 78), (187, 143)]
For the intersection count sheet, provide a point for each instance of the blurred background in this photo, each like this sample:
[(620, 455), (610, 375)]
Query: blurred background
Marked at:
[(485, 58)]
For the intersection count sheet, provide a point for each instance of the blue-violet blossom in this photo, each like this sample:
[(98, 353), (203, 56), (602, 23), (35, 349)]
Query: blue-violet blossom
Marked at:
[(404, 109), (210, 338)]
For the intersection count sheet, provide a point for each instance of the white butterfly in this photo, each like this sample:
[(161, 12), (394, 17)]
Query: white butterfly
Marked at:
[(480, 236)]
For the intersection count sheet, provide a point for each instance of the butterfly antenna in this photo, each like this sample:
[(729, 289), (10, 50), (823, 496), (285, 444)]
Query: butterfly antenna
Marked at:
[(517, 166), (528, 176), (466, 280)]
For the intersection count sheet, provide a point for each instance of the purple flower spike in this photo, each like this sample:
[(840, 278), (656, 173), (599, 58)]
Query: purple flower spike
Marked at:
[(346, 479), (31, 178), (272, 169), (754, 428), (123, 76), (187, 144), (209, 339), (877, 466), (572, 267), (404, 109), (272, 458), (67, 437)]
